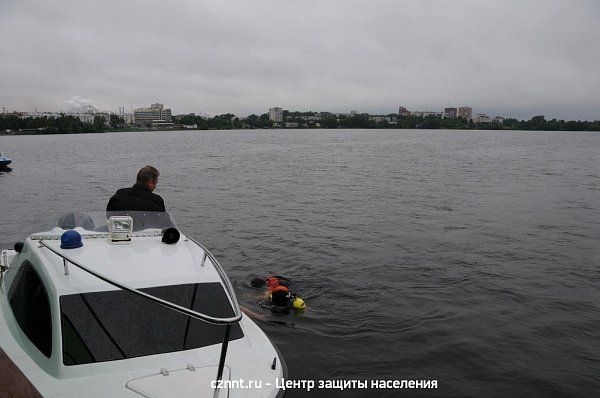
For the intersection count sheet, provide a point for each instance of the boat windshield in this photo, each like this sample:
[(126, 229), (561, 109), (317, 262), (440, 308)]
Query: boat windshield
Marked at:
[(98, 221), (114, 325)]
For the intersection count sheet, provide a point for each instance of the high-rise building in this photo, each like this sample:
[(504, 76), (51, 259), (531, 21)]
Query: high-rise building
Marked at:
[(450, 113), (402, 111), (276, 115), (156, 114), (465, 111)]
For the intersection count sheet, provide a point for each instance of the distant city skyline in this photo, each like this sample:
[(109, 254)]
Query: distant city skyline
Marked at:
[(509, 58), (130, 110), (275, 113)]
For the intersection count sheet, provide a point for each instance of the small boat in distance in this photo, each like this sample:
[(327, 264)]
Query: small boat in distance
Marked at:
[(124, 305), (4, 161)]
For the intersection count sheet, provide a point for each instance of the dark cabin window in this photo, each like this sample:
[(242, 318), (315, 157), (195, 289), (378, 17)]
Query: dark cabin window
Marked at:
[(113, 325), (30, 304)]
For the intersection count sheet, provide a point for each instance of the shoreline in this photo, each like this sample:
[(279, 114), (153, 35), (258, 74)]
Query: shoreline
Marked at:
[(29, 133)]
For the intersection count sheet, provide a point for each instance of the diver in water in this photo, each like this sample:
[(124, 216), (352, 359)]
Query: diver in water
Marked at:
[(277, 298)]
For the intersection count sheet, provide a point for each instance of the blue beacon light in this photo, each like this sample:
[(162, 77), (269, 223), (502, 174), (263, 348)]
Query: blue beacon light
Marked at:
[(70, 240)]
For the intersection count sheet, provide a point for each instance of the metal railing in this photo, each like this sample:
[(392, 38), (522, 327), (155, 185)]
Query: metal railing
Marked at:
[(224, 278), (172, 306)]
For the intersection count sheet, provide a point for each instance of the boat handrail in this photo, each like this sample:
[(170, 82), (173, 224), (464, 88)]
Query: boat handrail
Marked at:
[(176, 307), (223, 275)]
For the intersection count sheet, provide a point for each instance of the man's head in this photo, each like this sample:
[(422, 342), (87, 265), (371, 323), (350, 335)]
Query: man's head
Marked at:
[(148, 177)]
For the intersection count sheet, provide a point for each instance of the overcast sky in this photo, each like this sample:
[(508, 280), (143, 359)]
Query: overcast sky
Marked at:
[(512, 58)]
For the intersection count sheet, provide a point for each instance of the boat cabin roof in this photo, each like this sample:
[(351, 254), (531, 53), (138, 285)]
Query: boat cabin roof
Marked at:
[(143, 262)]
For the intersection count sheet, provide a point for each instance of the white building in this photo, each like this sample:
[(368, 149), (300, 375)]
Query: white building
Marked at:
[(427, 114), (276, 115), (157, 114), (482, 118), (36, 115), (382, 118), (85, 117)]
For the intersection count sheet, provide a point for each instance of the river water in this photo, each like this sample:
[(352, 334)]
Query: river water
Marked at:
[(467, 257)]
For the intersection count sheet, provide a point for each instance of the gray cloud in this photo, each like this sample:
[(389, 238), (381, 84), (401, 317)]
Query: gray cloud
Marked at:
[(515, 58)]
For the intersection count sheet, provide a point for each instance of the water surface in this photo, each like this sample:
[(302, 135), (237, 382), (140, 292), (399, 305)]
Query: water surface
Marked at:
[(468, 257)]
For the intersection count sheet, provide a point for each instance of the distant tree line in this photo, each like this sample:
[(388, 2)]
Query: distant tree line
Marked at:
[(364, 121), (69, 124), (540, 123), (225, 121), (63, 124)]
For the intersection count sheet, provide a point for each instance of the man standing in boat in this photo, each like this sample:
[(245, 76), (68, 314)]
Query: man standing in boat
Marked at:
[(140, 196)]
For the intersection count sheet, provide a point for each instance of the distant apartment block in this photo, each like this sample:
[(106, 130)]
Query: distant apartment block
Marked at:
[(383, 118), (126, 116), (450, 113), (276, 115), (402, 111), (482, 118), (427, 114), (465, 112), (156, 115), (85, 117)]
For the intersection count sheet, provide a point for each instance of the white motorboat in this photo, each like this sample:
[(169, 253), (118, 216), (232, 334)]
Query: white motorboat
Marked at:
[(127, 306)]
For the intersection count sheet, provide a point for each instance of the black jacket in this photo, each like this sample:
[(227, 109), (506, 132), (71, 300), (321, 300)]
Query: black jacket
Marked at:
[(136, 198)]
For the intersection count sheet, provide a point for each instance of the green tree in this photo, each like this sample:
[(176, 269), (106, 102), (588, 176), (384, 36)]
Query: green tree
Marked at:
[(252, 121), (115, 121), (98, 124), (264, 121)]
